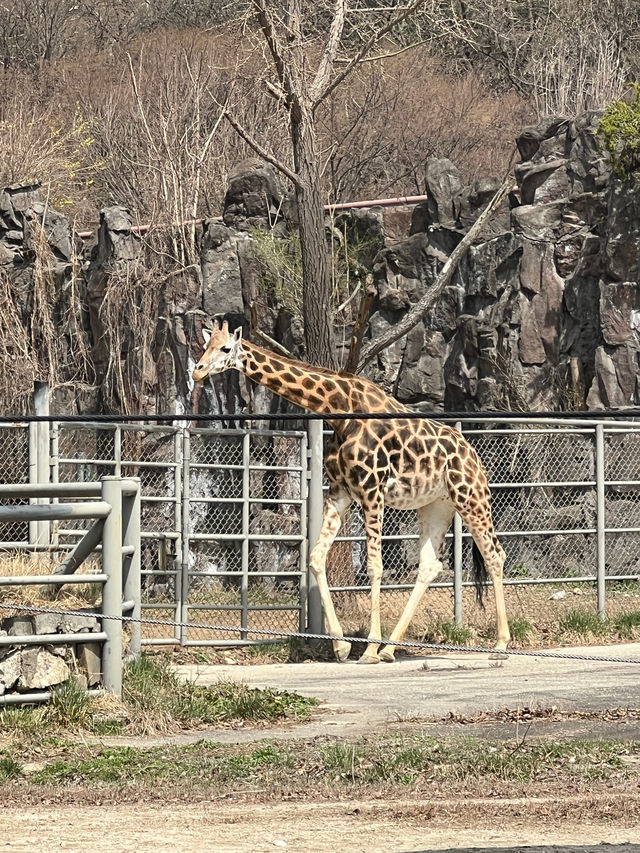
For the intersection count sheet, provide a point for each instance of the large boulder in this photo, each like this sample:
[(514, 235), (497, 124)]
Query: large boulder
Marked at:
[(254, 196)]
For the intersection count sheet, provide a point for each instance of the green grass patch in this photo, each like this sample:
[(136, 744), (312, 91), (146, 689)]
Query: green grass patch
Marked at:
[(380, 763), (449, 633), (584, 623), (157, 700), (154, 700), (9, 768), (521, 630), (70, 706), (626, 625), (268, 652), (468, 760), (520, 570), (200, 764)]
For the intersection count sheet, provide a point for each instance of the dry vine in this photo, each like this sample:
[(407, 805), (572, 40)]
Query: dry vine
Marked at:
[(43, 339)]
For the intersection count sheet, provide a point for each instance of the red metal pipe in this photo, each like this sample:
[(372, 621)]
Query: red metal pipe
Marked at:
[(330, 208)]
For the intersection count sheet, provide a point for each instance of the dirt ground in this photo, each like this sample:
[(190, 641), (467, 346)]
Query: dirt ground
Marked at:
[(604, 817), (357, 827)]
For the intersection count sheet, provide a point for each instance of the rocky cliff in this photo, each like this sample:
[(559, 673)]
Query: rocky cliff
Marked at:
[(543, 313)]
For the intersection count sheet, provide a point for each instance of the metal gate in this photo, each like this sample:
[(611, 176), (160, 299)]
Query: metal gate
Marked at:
[(244, 551)]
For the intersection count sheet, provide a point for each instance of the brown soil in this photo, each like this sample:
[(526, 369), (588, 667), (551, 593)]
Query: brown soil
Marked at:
[(370, 826)]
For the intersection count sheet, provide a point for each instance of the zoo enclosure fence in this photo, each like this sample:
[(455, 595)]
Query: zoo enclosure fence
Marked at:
[(114, 510), (229, 515)]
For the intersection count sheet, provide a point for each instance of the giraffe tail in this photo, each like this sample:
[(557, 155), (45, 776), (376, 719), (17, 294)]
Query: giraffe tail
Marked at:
[(480, 574)]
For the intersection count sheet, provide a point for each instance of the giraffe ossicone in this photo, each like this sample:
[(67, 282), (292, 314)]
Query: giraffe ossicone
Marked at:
[(405, 463)]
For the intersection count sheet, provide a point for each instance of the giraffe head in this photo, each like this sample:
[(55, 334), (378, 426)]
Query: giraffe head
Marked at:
[(223, 351)]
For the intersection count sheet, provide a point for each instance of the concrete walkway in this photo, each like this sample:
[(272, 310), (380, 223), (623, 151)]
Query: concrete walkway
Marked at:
[(357, 698)]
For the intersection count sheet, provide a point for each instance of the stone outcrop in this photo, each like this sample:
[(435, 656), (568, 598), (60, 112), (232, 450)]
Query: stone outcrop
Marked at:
[(543, 312), (40, 667)]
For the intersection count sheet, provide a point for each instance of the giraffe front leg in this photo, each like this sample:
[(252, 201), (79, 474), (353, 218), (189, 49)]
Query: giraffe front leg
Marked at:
[(335, 507), (433, 523), (373, 515)]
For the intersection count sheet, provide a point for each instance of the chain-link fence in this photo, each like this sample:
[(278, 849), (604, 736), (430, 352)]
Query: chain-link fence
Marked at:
[(228, 518), (14, 468), (566, 506)]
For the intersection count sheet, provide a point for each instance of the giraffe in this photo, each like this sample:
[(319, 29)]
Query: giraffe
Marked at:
[(405, 463)]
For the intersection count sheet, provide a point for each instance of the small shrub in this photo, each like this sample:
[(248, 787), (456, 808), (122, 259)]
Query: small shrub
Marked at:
[(519, 571), (70, 706), (619, 130), (22, 722), (9, 768), (450, 634), (627, 625)]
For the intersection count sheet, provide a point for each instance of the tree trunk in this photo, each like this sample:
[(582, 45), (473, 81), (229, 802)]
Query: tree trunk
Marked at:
[(316, 301)]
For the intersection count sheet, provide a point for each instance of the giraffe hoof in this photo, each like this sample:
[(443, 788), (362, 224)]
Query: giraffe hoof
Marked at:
[(341, 651), (499, 654), (387, 655), (369, 659)]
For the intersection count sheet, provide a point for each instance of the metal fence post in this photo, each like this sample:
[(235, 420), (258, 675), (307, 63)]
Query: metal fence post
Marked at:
[(246, 482), (457, 569), (131, 569), (600, 521), (303, 588), (39, 448), (315, 502), (183, 580), (178, 443), (457, 561), (112, 590)]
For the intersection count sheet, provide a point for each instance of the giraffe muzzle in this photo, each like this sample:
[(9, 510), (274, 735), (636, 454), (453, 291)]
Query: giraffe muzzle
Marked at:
[(200, 372)]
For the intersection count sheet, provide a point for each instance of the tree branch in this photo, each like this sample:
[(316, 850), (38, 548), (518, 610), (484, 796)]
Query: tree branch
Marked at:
[(325, 66), (261, 151), (355, 344), (364, 50), (276, 51), (417, 312)]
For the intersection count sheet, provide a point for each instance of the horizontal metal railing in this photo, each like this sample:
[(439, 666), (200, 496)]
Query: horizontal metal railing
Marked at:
[(116, 516)]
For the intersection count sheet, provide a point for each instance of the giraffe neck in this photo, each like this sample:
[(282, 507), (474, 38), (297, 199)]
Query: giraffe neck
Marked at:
[(314, 388)]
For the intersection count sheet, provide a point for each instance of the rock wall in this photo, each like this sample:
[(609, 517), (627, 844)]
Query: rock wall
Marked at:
[(543, 313)]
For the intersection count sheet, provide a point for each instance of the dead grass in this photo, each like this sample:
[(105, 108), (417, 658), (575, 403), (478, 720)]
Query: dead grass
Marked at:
[(529, 604), (71, 596)]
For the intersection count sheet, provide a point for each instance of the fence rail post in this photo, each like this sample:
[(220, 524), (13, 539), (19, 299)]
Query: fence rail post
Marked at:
[(112, 590), (315, 501), (600, 522), (246, 489), (457, 561), (132, 564), (182, 609), (39, 471)]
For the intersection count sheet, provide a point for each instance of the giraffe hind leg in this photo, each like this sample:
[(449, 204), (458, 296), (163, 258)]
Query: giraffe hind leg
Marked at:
[(492, 557)]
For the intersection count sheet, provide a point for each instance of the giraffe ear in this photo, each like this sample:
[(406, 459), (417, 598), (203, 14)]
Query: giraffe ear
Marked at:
[(237, 335), (206, 334)]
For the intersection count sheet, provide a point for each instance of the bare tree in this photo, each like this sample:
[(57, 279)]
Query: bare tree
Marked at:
[(310, 51), (569, 55)]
